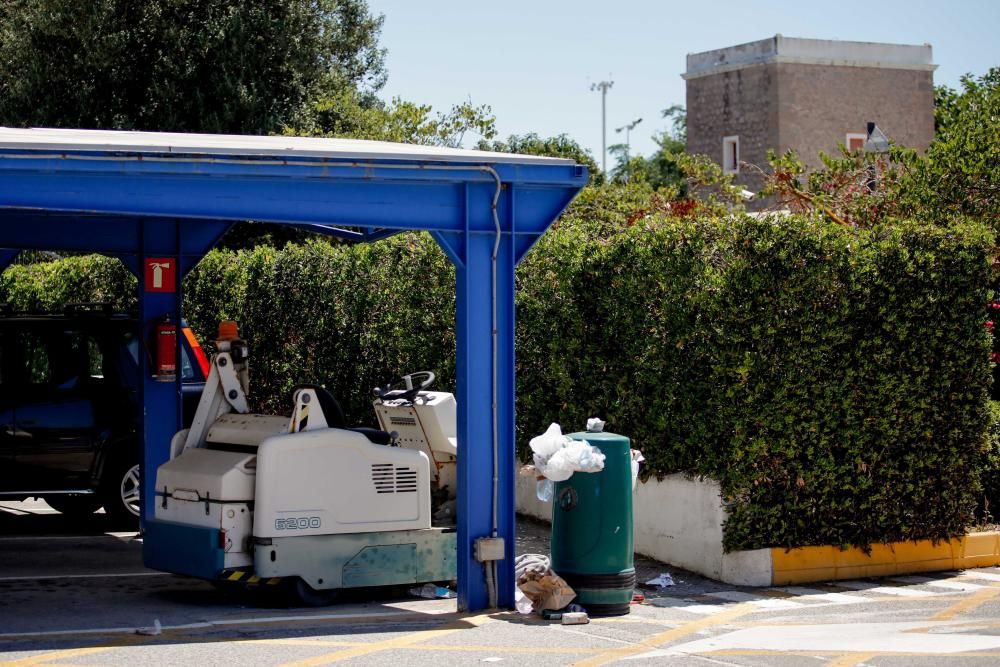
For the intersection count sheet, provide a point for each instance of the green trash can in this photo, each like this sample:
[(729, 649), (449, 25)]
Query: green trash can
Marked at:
[(592, 541)]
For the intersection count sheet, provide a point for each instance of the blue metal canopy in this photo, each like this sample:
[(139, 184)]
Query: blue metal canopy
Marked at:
[(156, 195)]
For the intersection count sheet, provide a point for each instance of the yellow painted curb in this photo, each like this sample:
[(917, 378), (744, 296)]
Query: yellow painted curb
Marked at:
[(812, 564)]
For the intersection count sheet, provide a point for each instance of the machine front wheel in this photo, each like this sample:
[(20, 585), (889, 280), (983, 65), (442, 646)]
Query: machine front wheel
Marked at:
[(311, 597)]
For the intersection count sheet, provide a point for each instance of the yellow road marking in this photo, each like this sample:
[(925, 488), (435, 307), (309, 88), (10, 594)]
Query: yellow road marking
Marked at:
[(967, 604), (815, 652), (122, 641), (653, 642), (850, 659), (395, 643), (44, 658), (467, 648)]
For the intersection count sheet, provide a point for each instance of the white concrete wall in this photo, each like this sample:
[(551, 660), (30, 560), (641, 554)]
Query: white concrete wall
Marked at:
[(528, 502), (678, 521)]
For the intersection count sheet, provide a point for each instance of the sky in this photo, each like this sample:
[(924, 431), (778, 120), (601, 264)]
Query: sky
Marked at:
[(533, 62)]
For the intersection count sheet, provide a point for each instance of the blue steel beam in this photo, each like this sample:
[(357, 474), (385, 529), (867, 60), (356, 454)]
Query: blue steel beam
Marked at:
[(419, 197), (111, 235)]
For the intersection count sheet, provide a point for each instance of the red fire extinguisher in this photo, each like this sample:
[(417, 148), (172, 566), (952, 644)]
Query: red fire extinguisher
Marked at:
[(165, 335)]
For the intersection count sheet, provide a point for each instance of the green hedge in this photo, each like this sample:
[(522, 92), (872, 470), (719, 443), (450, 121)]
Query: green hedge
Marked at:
[(834, 380), (49, 286), (989, 509), (347, 317)]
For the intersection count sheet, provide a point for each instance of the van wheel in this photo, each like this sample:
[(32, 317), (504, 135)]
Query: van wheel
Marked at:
[(120, 492), (311, 597), (75, 506)]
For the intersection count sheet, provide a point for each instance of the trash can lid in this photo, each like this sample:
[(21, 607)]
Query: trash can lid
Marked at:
[(601, 438)]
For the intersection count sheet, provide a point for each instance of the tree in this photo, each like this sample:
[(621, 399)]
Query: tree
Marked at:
[(350, 114), (559, 146), (231, 66), (660, 170), (960, 173)]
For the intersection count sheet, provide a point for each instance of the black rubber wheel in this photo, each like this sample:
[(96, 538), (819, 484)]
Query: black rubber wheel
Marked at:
[(309, 596), (75, 505), (120, 489)]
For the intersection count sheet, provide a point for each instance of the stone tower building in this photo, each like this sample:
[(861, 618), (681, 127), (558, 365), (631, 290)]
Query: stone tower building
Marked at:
[(808, 95)]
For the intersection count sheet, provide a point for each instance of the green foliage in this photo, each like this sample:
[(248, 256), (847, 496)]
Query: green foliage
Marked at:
[(989, 509), (561, 146), (661, 170), (349, 317), (834, 379), (957, 178), (349, 114), (50, 285), (183, 65), (960, 174)]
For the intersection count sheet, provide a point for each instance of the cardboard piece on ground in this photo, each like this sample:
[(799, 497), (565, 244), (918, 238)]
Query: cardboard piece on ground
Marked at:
[(546, 591)]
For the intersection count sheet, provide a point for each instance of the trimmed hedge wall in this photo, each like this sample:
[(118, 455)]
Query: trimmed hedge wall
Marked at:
[(834, 380)]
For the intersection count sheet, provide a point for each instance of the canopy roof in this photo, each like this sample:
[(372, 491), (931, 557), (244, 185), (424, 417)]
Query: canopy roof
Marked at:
[(149, 197), (228, 145)]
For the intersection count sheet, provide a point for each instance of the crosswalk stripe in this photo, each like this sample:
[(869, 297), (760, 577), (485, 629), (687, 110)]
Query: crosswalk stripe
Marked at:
[(686, 605), (985, 576), (811, 594), (735, 596), (777, 603), (900, 591), (756, 600), (940, 583)]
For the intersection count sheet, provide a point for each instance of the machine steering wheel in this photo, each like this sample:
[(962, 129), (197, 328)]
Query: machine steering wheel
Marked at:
[(407, 387)]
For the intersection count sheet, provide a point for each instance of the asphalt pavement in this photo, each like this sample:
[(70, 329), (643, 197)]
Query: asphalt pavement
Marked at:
[(72, 594)]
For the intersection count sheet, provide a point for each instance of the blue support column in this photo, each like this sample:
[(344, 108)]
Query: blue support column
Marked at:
[(161, 401), (474, 365)]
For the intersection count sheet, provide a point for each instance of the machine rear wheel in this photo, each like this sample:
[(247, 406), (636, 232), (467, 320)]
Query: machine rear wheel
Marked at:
[(309, 596)]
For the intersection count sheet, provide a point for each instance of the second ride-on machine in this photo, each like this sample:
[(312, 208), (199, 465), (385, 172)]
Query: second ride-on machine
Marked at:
[(306, 501)]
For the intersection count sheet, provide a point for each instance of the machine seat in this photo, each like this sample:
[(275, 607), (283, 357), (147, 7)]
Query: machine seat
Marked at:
[(335, 418), (373, 434)]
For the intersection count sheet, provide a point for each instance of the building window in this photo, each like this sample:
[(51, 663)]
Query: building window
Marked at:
[(856, 141), (731, 155)]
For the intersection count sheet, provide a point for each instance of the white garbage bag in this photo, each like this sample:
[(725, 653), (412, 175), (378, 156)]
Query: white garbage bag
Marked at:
[(548, 443), (637, 458), (558, 457)]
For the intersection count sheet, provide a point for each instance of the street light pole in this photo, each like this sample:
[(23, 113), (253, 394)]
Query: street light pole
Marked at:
[(603, 86), (628, 135)]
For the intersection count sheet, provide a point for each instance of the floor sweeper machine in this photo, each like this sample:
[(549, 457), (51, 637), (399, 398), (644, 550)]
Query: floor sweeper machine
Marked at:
[(307, 501)]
